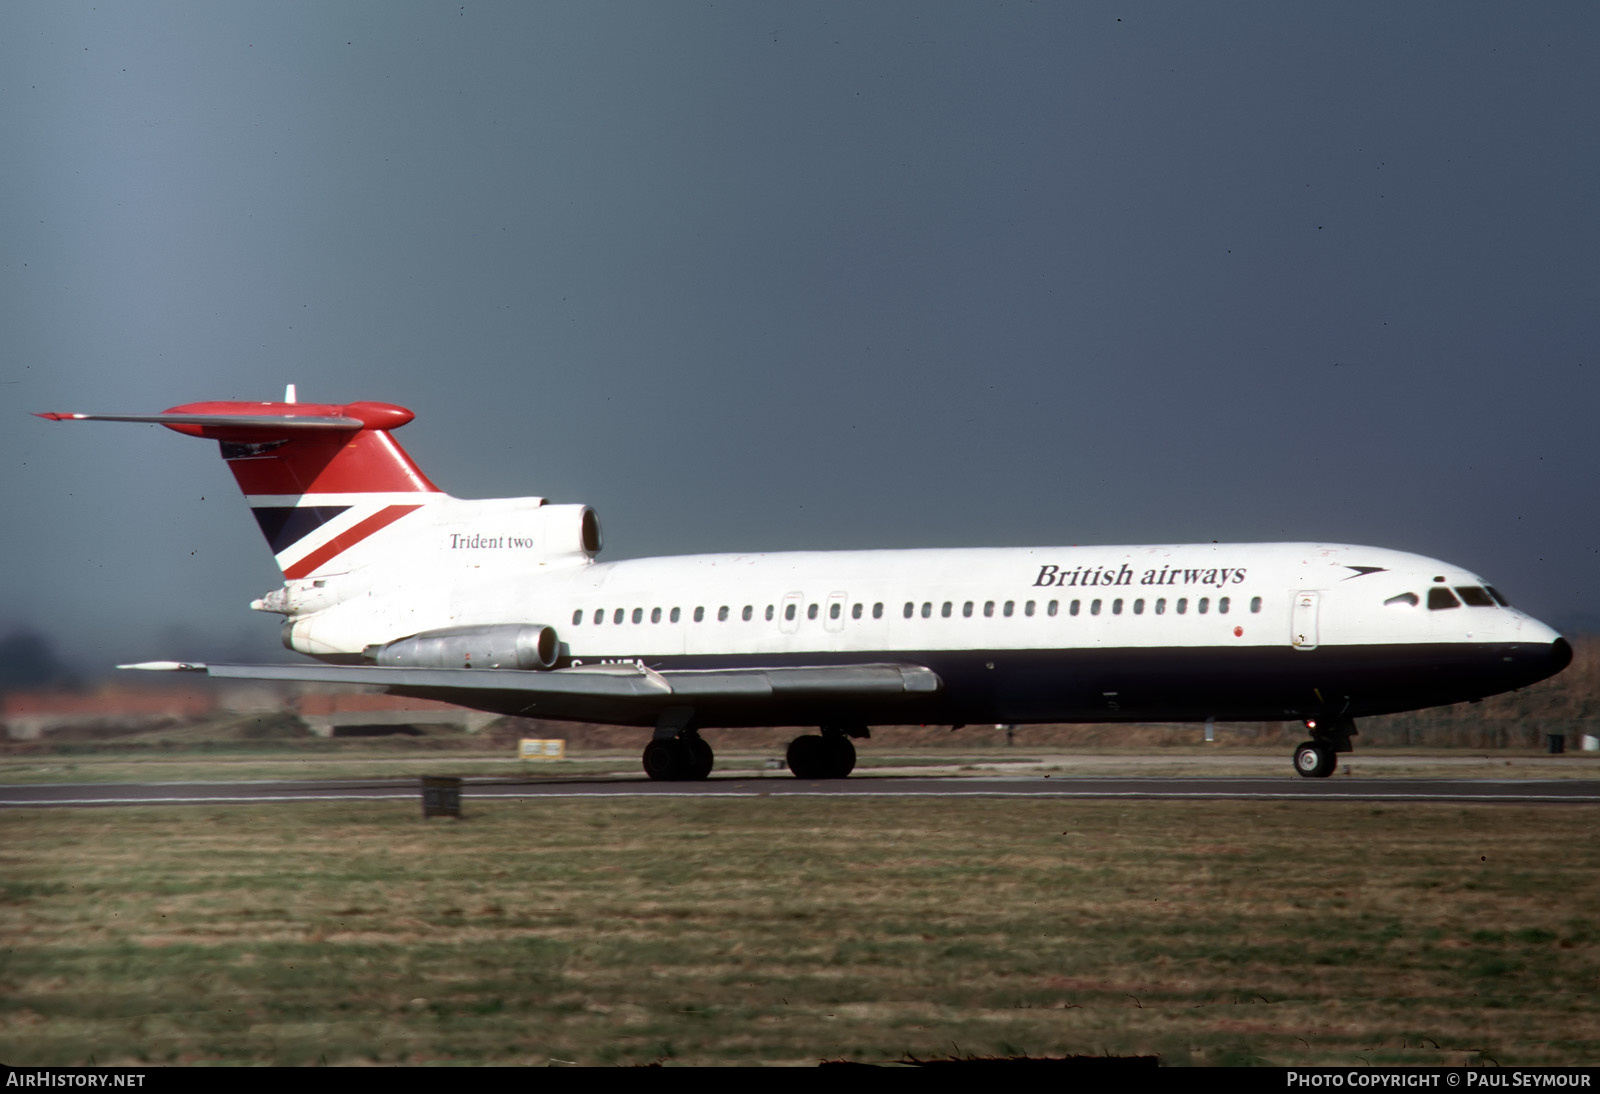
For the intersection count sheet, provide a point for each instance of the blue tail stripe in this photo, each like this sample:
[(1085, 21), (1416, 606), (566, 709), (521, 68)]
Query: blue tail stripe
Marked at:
[(286, 525)]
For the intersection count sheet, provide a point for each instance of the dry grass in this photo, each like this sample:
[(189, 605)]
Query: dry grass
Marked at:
[(787, 931)]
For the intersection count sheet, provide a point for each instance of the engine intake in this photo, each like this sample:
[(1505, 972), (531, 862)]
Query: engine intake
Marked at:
[(504, 646)]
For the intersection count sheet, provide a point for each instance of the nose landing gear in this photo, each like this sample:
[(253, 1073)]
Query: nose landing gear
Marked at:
[(1315, 760), (1318, 757)]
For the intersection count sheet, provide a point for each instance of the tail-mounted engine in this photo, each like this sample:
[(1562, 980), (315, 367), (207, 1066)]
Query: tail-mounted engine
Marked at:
[(506, 646)]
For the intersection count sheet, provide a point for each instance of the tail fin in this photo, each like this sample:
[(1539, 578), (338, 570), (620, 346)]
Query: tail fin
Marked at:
[(319, 478)]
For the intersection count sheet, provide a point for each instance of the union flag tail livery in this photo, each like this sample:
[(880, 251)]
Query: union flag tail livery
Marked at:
[(367, 545), (321, 480), (500, 605)]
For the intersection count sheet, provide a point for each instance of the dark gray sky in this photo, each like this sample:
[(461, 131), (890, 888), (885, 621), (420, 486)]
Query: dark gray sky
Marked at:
[(766, 275)]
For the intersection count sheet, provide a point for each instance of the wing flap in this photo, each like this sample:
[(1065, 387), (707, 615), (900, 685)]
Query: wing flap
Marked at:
[(629, 684)]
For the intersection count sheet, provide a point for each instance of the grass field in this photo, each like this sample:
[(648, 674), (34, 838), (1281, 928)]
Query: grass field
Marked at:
[(787, 931)]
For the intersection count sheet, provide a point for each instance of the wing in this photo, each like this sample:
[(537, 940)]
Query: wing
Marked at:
[(623, 694)]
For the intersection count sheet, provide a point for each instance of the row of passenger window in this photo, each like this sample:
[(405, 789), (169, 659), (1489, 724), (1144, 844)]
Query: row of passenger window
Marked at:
[(1180, 606), (946, 610), (619, 615)]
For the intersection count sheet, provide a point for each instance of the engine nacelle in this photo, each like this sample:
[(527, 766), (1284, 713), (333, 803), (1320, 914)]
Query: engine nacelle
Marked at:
[(574, 529), (503, 646)]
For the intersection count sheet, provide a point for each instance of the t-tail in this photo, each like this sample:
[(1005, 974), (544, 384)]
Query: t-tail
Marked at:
[(321, 480), (349, 516)]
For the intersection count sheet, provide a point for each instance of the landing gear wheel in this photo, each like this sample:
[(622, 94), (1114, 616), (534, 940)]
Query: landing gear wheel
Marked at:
[(700, 758), (818, 757), (667, 760), (808, 757), (841, 757), (1315, 760), (678, 759)]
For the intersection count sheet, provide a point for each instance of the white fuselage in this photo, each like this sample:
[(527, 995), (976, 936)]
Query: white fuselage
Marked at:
[(1016, 634), (1223, 595)]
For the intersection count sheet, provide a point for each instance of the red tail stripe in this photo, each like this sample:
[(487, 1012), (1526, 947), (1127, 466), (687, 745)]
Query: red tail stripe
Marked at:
[(345, 540)]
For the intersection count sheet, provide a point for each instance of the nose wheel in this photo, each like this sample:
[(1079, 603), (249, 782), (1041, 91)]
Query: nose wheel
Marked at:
[(1315, 760)]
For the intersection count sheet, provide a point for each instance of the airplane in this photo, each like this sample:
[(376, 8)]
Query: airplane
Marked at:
[(501, 605)]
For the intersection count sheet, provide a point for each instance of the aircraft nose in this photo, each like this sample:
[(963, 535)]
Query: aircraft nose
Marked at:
[(1560, 655)]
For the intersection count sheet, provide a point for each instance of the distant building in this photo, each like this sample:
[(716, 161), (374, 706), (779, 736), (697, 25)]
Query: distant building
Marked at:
[(30, 715), (348, 713), (118, 709)]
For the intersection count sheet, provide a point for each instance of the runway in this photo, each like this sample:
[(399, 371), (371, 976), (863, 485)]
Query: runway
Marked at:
[(1509, 791)]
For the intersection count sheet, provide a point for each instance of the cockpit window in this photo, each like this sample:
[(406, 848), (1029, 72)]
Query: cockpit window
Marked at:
[(1499, 597), (1408, 600), (1440, 597), (1475, 595)]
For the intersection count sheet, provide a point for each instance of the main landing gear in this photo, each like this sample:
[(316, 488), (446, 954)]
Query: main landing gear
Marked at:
[(678, 753), (825, 755), (678, 759), (1318, 757)]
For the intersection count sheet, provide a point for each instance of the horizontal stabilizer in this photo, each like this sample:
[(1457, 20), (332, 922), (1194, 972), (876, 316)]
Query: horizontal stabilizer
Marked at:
[(288, 422)]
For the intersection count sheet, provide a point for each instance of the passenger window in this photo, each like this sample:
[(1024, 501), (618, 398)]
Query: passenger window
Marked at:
[(834, 609), (577, 617), (1074, 609), (1051, 608), (1255, 603), (855, 610), (1116, 606), (811, 611), (675, 615), (1138, 606), (944, 611), (966, 610), (988, 608), (1094, 607), (877, 610), (1439, 598), (655, 615), (722, 614), (1204, 605), (1027, 609), (748, 612), (1009, 608), (1183, 605), (911, 609), (599, 616), (1161, 605), (1475, 596), (1222, 605), (699, 615), (617, 616), (927, 609), (1404, 600), (788, 612), (638, 615)]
